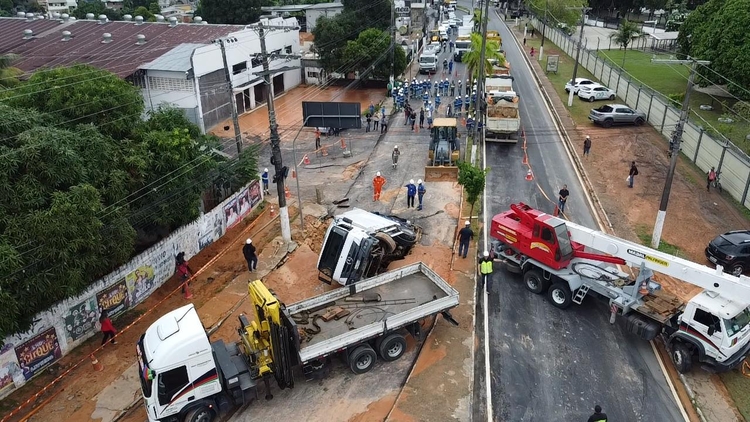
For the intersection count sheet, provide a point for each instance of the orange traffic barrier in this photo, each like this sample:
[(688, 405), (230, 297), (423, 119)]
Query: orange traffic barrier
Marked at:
[(286, 192), (529, 175), (98, 366), (343, 143)]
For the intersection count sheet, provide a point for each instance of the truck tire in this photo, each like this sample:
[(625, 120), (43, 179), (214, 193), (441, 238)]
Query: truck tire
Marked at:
[(391, 347), (608, 122), (534, 282), (386, 242), (560, 296), (681, 357), (639, 121), (200, 414), (362, 359)]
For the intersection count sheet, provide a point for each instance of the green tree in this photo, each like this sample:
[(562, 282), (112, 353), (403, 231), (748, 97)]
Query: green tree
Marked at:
[(624, 36), (233, 12), (371, 53), (83, 94), (144, 13), (9, 74), (472, 178), (97, 8), (6, 7), (717, 31), (473, 57), (565, 12)]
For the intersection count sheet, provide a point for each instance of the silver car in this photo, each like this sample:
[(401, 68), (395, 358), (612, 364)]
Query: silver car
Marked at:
[(616, 114)]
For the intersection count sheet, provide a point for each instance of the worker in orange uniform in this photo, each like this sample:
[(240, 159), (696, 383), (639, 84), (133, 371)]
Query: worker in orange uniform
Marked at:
[(377, 186)]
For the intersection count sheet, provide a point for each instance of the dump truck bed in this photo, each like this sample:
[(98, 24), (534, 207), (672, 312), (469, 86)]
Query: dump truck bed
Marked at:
[(406, 295)]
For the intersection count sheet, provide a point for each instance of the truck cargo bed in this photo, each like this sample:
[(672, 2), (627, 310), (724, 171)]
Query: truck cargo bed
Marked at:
[(405, 295)]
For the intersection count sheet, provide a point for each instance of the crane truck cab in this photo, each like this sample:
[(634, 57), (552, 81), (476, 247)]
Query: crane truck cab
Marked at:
[(360, 244), (566, 261)]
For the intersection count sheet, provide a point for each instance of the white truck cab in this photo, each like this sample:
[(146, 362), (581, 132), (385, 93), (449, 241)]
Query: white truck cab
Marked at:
[(428, 63)]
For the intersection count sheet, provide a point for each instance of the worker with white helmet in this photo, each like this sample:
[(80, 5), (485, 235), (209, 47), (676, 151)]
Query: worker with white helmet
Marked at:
[(485, 269), (264, 179), (377, 186), (248, 251), (421, 190), (586, 146), (411, 192), (465, 236), (394, 156)]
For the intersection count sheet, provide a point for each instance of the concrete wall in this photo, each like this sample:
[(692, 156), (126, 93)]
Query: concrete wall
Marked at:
[(703, 149), (70, 322)]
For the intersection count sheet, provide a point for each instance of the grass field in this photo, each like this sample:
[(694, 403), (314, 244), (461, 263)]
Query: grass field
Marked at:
[(672, 79)]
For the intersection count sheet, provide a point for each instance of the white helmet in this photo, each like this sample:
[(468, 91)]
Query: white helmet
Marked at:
[(265, 170), (377, 174), (249, 241), (395, 147), (419, 181), (411, 181), (467, 223), (588, 137), (486, 254)]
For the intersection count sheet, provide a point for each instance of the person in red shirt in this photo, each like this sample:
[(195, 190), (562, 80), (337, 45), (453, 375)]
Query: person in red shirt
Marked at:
[(183, 269), (107, 328)]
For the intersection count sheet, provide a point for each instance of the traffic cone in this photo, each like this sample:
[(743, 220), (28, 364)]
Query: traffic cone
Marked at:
[(273, 211), (98, 366), (287, 193), (294, 174), (529, 175), (343, 143), (525, 159), (557, 211), (324, 152), (186, 290), (306, 160)]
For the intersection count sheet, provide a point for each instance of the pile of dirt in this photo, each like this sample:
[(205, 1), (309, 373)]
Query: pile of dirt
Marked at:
[(351, 171), (502, 111), (315, 231)]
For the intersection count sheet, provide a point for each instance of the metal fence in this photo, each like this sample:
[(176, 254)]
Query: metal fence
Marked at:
[(697, 145)]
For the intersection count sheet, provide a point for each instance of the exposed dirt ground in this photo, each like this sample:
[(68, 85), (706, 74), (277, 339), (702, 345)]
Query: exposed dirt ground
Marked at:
[(71, 399)]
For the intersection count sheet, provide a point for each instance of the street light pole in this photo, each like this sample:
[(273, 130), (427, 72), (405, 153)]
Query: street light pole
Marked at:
[(676, 140), (578, 54), (481, 74), (544, 30)]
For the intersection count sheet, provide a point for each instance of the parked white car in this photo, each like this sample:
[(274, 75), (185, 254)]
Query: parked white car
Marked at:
[(578, 83), (595, 92)]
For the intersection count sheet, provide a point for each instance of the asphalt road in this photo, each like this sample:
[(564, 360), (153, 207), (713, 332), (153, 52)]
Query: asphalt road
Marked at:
[(547, 364)]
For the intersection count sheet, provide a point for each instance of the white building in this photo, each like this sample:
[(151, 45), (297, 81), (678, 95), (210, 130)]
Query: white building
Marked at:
[(191, 77), (59, 6)]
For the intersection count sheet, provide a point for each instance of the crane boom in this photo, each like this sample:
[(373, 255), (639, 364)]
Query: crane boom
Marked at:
[(714, 280)]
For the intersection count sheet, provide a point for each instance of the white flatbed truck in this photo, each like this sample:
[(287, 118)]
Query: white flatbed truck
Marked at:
[(185, 377)]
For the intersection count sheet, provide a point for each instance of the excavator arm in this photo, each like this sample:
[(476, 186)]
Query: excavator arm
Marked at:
[(713, 280)]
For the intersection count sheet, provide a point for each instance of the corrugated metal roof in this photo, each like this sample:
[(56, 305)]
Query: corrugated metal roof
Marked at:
[(122, 55), (176, 59)]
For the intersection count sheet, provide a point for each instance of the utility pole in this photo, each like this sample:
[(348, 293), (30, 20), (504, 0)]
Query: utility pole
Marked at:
[(393, 43), (279, 169), (230, 91), (481, 75), (675, 142), (578, 51), (544, 29)]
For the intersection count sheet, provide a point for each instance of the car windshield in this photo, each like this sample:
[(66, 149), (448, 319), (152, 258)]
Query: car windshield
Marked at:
[(722, 241), (736, 324)]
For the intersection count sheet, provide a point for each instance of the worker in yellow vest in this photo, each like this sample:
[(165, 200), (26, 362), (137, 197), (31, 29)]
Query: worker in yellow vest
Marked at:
[(485, 269)]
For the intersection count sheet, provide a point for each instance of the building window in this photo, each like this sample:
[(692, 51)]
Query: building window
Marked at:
[(239, 68), (255, 62), (169, 84), (311, 74), (288, 49)]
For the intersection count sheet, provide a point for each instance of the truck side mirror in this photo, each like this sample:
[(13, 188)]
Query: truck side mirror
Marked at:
[(711, 330)]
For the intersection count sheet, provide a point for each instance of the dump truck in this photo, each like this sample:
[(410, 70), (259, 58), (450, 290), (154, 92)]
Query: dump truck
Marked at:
[(503, 122), (187, 377), (568, 261), (360, 244)]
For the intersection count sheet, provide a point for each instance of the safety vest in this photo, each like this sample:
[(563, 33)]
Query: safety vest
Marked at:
[(485, 267)]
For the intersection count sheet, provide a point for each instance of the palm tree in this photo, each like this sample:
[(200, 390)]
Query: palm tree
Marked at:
[(9, 74), (473, 56), (624, 35)]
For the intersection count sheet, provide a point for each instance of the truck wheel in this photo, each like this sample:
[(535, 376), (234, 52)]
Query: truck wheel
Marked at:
[(738, 270), (608, 122), (362, 359), (534, 282), (200, 414), (391, 347), (639, 121), (682, 358), (386, 242), (559, 295)]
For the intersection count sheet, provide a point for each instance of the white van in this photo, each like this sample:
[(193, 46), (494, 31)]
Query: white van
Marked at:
[(428, 63)]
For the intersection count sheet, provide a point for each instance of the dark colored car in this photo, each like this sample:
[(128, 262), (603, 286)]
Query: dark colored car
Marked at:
[(731, 250)]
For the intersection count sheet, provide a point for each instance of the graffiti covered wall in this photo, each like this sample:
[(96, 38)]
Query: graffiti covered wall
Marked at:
[(72, 321)]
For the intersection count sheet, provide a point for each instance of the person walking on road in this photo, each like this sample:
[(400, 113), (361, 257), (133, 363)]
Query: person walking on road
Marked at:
[(375, 121), (485, 269), (108, 329), (465, 236), (248, 251), (383, 124), (421, 118), (368, 116), (264, 179), (394, 156), (586, 146), (598, 416), (317, 138), (411, 192), (710, 179), (632, 174), (183, 269), (563, 198), (377, 186), (421, 190)]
